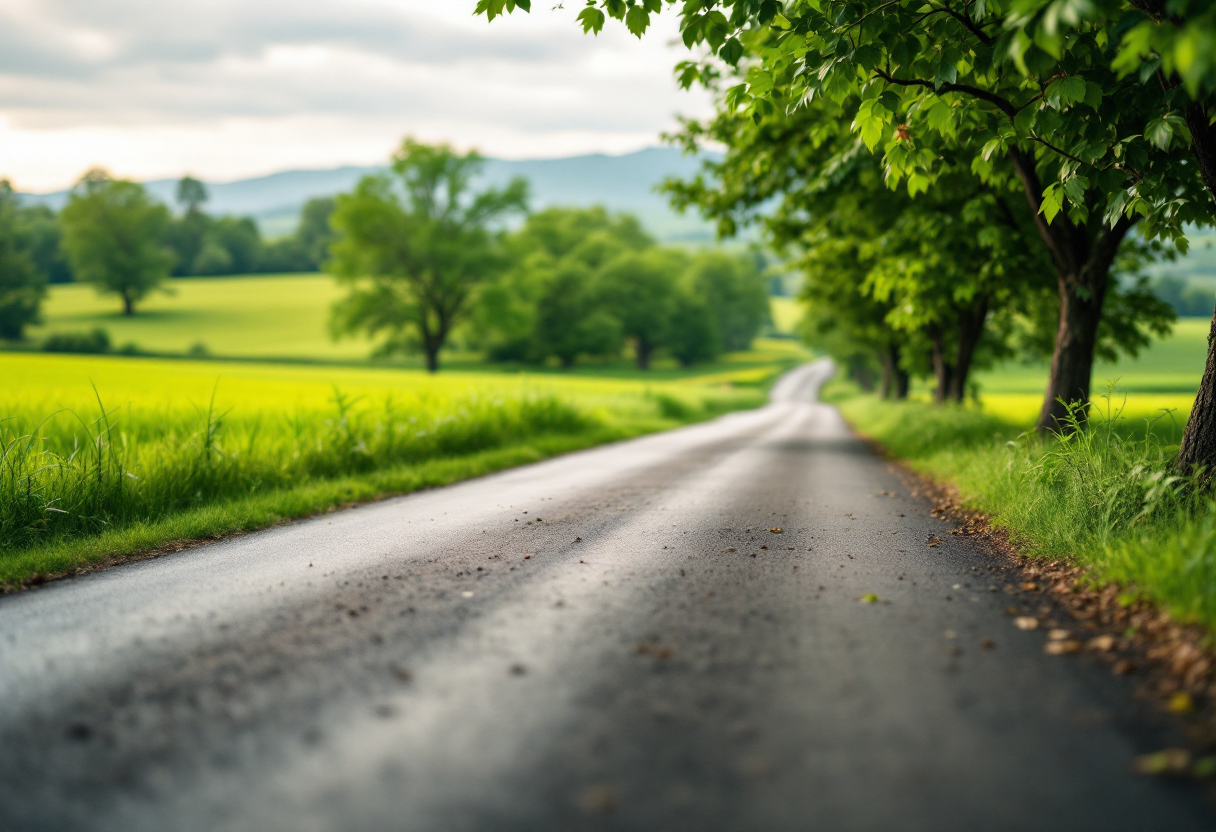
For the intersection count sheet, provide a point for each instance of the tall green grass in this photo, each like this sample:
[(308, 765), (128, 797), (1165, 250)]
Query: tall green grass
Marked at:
[(72, 474), (1105, 497)]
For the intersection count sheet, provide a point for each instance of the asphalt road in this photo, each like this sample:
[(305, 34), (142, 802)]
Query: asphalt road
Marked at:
[(609, 640)]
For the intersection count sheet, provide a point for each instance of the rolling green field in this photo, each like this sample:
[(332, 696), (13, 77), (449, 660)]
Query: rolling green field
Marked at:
[(257, 316), (104, 457), (264, 316)]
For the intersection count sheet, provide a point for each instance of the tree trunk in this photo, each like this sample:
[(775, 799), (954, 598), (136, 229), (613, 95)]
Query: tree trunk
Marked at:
[(887, 358), (970, 330), (1198, 449), (902, 381), (1083, 256), (128, 303), (644, 349), (943, 370), (1072, 360)]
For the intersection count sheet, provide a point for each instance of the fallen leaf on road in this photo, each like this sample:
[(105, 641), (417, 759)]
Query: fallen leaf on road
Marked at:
[(934, 540), (578, 540), (598, 799), (987, 644), (776, 530), (1173, 761), (1059, 635), (1025, 622), (1103, 644), (1122, 667), (731, 549), (1030, 586), (1060, 648), (657, 650), (869, 598), (1181, 703)]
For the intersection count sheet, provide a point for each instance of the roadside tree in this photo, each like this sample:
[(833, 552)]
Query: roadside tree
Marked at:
[(640, 289), (22, 286), (113, 233), (415, 244), (1054, 117)]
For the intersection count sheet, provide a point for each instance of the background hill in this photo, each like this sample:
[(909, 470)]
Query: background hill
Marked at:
[(622, 183)]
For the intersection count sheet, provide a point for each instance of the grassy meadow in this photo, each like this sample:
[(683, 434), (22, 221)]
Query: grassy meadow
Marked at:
[(281, 317), (107, 456)]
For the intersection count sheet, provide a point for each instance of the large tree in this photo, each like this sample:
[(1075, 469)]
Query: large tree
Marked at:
[(414, 244), (546, 304), (1168, 47), (22, 286), (641, 289), (113, 233), (1055, 117)]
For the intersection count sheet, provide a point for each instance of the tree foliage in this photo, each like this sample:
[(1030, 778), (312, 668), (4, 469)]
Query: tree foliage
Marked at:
[(22, 286), (415, 244), (1037, 94), (113, 233)]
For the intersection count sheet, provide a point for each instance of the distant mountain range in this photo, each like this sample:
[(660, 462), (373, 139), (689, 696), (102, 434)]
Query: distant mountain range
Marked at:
[(621, 183)]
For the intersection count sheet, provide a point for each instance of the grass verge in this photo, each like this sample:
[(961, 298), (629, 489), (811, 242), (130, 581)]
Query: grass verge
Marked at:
[(170, 451), (35, 564), (1105, 499)]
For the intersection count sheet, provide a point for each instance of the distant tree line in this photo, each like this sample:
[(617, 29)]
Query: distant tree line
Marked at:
[(113, 234), (426, 257)]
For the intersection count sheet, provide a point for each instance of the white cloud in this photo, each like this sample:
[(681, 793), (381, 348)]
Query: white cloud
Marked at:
[(231, 88)]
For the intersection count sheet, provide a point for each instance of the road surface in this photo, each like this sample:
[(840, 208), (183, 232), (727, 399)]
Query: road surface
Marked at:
[(609, 640)]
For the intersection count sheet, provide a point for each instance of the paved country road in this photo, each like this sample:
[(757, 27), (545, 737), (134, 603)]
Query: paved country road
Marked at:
[(609, 640)]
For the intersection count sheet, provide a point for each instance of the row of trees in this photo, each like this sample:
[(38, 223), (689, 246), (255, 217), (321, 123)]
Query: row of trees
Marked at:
[(203, 244), (423, 255), (113, 234), (1028, 139)]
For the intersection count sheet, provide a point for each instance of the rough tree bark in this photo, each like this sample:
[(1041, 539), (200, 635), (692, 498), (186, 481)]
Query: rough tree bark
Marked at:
[(1083, 256), (1198, 449)]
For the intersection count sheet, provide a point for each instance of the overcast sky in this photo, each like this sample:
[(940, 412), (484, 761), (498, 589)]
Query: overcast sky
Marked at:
[(225, 89)]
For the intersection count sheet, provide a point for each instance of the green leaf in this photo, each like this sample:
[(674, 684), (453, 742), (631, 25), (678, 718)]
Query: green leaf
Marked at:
[(1024, 121), (947, 73), (1075, 189), (1093, 95), (1162, 131), (940, 117), (1159, 133), (637, 20), (592, 20), (732, 51), (1053, 201), (869, 122), (1064, 92)]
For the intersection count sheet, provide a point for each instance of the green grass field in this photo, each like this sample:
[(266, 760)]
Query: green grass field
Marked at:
[(264, 316), (105, 456), (254, 316)]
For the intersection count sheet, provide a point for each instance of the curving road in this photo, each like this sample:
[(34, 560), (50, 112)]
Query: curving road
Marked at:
[(609, 640)]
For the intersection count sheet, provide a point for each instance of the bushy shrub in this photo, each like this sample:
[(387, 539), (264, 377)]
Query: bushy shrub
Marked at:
[(95, 341)]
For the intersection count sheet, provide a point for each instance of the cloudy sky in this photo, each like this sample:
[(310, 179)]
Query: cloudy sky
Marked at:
[(225, 89)]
